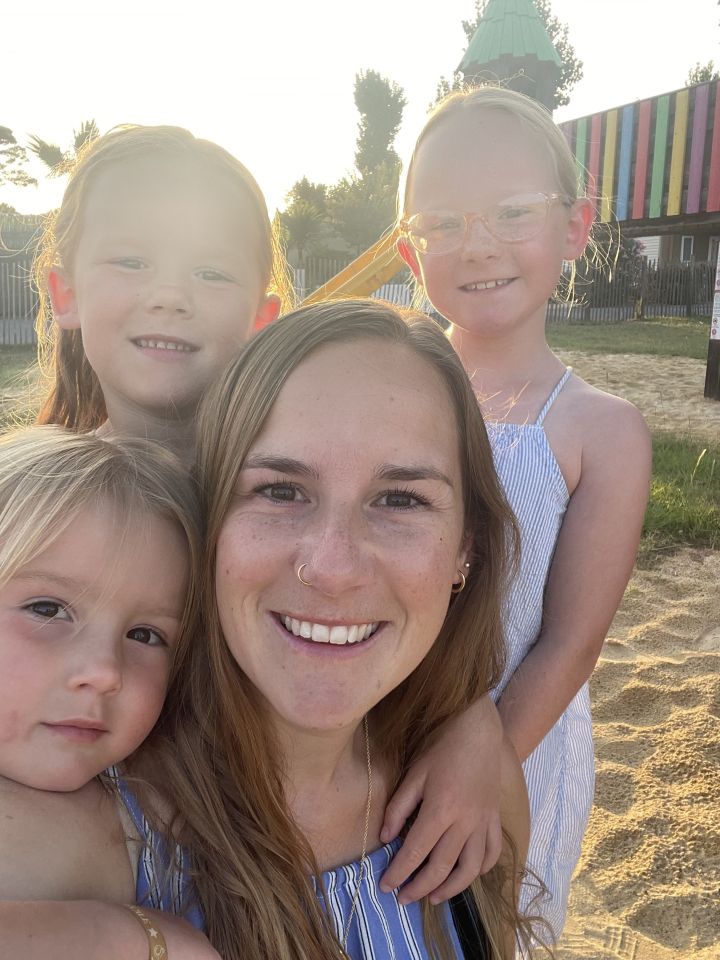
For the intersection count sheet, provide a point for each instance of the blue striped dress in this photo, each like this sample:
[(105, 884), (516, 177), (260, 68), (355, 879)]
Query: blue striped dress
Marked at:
[(378, 928), (162, 881), (560, 772)]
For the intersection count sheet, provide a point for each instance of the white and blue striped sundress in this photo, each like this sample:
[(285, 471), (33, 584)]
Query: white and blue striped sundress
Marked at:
[(560, 772), (380, 928), (162, 881), (376, 925)]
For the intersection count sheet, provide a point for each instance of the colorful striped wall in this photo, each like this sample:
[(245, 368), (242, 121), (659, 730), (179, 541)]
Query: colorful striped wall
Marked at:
[(652, 159)]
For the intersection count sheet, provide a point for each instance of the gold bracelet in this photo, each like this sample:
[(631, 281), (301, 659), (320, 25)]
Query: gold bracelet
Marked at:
[(156, 941)]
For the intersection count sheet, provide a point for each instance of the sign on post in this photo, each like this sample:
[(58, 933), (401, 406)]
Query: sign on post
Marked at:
[(712, 373)]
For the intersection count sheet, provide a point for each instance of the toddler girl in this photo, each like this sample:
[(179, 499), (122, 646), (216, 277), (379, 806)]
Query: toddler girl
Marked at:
[(97, 543)]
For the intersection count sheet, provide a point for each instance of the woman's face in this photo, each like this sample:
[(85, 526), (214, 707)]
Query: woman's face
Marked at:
[(356, 476)]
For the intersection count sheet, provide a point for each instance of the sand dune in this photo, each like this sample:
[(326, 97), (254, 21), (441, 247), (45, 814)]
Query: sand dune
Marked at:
[(648, 884)]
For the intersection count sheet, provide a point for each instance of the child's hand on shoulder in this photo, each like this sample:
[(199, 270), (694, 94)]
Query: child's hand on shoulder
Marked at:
[(457, 833)]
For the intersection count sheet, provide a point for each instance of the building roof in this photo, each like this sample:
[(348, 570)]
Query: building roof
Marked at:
[(509, 28)]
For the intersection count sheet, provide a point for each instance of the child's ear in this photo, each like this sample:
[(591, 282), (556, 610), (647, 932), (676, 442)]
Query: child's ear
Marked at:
[(407, 252), (267, 312), (582, 214), (63, 300)]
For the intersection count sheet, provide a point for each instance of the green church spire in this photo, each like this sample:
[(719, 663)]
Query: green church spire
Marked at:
[(512, 44)]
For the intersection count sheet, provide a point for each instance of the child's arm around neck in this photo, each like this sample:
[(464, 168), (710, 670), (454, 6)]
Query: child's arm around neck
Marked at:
[(53, 930)]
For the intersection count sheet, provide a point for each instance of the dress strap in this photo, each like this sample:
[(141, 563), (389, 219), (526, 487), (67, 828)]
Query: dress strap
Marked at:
[(553, 396)]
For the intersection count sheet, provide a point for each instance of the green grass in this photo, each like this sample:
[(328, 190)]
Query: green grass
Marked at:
[(684, 507), (664, 336), (18, 398), (14, 361)]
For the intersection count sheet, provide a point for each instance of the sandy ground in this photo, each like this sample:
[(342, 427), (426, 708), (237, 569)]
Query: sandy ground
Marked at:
[(648, 884), (668, 390)]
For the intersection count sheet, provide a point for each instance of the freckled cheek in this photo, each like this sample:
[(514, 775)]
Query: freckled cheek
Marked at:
[(427, 563), (249, 553), (9, 726)]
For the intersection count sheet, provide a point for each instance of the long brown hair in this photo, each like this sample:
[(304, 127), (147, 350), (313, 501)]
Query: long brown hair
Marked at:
[(75, 398), (219, 761)]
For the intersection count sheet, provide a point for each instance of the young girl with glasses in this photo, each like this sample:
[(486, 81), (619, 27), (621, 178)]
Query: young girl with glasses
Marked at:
[(491, 212)]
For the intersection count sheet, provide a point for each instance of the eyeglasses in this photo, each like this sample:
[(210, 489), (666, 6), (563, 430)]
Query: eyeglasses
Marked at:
[(510, 221)]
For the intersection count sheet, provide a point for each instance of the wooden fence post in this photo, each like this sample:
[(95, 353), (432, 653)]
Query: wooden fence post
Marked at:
[(712, 372)]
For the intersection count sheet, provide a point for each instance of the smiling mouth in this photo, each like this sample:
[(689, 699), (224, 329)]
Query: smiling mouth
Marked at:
[(486, 284), (338, 634), (155, 343)]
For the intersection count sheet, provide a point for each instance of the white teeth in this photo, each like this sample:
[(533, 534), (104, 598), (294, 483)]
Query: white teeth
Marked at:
[(321, 633), (164, 345), (486, 284)]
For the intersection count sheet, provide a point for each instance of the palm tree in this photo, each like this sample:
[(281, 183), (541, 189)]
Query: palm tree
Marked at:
[(13, 158), (303, 224), (55, 159)]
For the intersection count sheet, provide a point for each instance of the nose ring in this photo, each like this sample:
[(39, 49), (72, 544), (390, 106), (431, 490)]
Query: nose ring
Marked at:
[(300, 576)]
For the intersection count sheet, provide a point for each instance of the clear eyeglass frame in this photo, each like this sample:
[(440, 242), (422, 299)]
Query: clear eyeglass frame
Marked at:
[(514, 220)]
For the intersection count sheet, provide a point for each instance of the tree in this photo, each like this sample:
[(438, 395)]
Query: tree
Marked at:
[(362, 208), (302, 223), (381, 103), (702, 74), (13, 159), (304, 216), (305, 190), (55, 159), (572, 68)]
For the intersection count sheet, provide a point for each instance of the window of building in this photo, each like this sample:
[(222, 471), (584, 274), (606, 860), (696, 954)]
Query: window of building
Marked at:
[(686, 248)]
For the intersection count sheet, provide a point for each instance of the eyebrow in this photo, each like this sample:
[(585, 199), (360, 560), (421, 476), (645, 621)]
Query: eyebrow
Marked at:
[(262, 461), (386, 471), (72, 583), (392, 471)]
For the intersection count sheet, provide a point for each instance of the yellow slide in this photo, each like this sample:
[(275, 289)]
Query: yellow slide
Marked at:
[(364, 275)]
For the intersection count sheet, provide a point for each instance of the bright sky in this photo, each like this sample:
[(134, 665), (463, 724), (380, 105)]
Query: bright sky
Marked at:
[(272, 80)]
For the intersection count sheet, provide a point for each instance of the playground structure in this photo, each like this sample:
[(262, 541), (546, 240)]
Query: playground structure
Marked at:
[(653, 167)]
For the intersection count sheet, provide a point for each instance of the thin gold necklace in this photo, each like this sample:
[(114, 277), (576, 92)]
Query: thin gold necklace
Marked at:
[(363, 855)]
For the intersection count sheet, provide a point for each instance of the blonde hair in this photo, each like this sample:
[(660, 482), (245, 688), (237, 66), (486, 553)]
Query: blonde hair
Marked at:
[(48, 475), (220, 764), (75, 398), (533, 118)]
